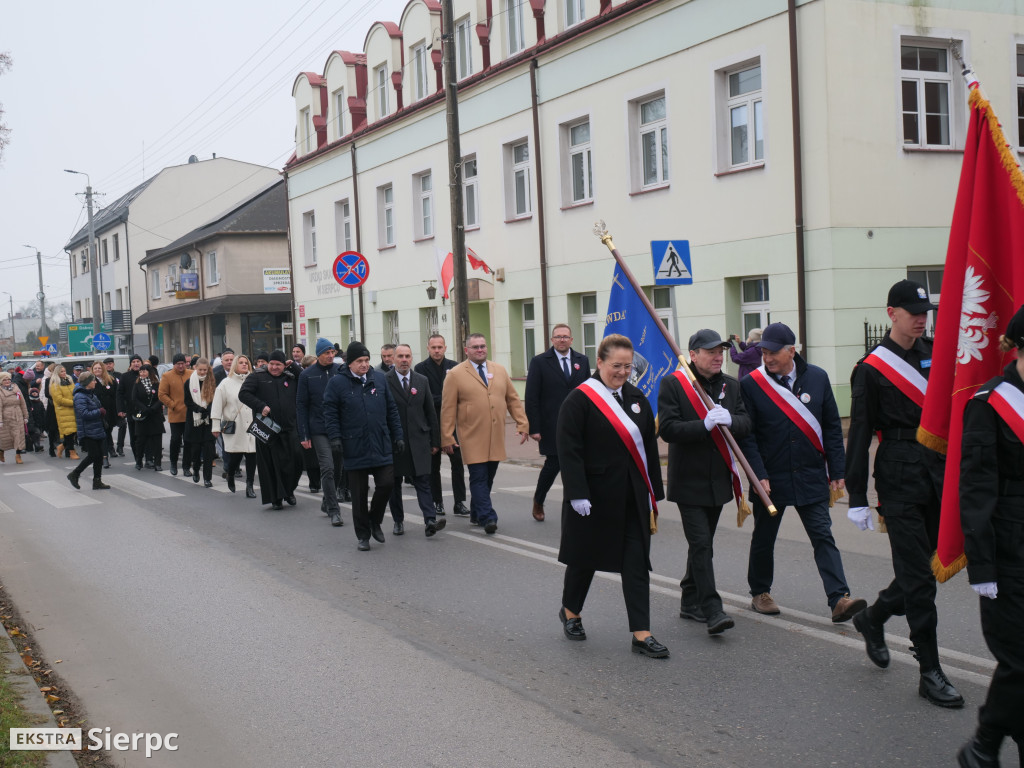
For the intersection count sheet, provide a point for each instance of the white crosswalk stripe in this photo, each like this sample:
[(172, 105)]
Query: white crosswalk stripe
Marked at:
[(61, 495), (138, 488), (528, 488)]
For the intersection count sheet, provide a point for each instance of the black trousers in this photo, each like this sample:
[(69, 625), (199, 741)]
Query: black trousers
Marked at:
[(548, 473), (177, 441), (235, 461), (913, 536), (636, 580), (458, 478), (359, 487), (150, 447), (122, 425), (94, 455), (1002, 622), (201, 455), (699, 525), (133, 441)]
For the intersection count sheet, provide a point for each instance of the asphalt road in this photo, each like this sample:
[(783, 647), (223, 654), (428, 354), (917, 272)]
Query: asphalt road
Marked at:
[(265, 639)]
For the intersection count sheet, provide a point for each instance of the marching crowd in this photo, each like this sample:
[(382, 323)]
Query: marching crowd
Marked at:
[(345, 422)]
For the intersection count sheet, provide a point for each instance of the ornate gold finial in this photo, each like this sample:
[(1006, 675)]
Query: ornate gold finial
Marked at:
[(602, 233)]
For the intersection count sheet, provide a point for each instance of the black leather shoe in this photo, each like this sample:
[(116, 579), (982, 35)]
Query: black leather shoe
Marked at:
[(290, 499), (439, 509), (336, 520), (149, 464), (649, 647), (345, 496), (250, 492), (106, 462), (138, 466), (399, 529), (720, 622), (935, 687), (874, 639), (573, 628), (120, 452), (99, 485), (208, 483), (433, 525), (174, 469), (277, 505), (460, 509), (363, 545), (972, 755), (231, 483), (224, 475), (693, 613), (377, 533), (314, 489), (490, 528), (195, 477), (186, 472), (158, 467), (73, 479)]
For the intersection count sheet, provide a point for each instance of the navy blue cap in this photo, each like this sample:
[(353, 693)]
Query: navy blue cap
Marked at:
[(776, 336)]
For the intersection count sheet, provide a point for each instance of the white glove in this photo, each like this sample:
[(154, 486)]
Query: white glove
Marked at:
[(717, 416), (861, 517), (582, 506), (987, 589)]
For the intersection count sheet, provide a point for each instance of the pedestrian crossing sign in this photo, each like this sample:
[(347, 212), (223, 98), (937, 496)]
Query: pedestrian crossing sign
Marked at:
[(671, 262)]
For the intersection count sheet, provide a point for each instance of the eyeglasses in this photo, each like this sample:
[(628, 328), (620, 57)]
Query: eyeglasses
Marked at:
[(478, 346), (619, 366), (561, 338)]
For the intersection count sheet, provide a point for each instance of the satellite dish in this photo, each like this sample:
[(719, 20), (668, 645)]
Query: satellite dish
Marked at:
[(193, 159), (186, 261)]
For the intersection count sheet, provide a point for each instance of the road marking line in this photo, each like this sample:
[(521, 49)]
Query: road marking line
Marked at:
[(5, 510), (25, 472), (530, 488), (57, 495), (829, 636), (140, 489)]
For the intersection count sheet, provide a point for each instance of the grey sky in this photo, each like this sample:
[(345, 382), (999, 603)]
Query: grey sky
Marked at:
[(122, 89)]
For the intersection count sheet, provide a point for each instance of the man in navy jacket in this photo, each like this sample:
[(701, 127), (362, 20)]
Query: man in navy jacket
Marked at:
[(796, 451), (551, 377), (309, 416)]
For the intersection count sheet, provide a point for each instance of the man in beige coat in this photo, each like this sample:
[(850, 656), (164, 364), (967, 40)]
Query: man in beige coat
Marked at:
[(476, 394), (172, 395)]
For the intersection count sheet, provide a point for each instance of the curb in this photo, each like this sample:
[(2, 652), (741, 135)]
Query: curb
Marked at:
[(31, 698)]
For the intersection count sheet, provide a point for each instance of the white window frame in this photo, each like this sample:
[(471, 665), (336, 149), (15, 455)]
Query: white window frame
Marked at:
[(529, 332), (118, 297), (172, 274), (591, 325), (154, 284), (117, 246), (212, 271), (577, 154), (761, 306), (420, 71), (380, 84), (391, 334), (658, 130), (471, 191), (106, 253), (305, 131), (753, 102), (386, 215), (575, 12), (518, 197), (515, 36), (955, 87), (463, 48), (309, 237), (339, 111), (342, 226), (423, 215), (85, 260)]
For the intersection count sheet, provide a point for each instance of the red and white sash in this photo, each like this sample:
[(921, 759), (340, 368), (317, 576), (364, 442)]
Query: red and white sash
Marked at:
[(690, 388), (899, 372), (1009, 404), (791, 406), (624, 426)]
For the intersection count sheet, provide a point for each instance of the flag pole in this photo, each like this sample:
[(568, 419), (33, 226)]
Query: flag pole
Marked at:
[(755, 484)]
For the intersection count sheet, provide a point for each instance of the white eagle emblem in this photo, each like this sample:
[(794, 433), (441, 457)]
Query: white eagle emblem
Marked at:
[(974, 324)]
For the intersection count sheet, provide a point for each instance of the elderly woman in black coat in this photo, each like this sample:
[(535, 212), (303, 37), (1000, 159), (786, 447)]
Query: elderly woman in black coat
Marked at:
[(611, 479)]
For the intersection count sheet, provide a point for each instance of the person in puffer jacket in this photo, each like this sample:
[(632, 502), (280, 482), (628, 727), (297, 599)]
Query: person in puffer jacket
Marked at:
[(91, 432)]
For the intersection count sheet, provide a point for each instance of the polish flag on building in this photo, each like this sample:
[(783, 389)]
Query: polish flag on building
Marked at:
[(982, 287), (448, 269)]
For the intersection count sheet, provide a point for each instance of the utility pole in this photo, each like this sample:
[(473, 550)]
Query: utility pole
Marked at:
[(460, 301), (41, 296), (94, 265)]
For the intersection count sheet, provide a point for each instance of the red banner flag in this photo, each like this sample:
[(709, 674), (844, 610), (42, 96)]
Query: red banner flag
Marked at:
[(448, 269), (982, 286)]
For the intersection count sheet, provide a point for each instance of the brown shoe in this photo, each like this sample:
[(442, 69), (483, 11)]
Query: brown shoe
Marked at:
[(17, 459), (763, 603), (538, 512), (847, 608), (60, 449), (2, 459), (73, 456)]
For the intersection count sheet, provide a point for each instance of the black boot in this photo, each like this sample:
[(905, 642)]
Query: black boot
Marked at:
[(982, 751), (99, 485), (934, 684), (874, 636), (73, 479), (231, 483), (174, 467), (250, 492)]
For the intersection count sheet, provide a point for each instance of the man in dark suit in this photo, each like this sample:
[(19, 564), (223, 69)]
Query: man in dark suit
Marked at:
[(411, 392), (551, 377), (436, 368), (387, 357)]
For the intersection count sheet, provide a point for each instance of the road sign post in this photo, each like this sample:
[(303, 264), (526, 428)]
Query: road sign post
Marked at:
[(351, 270)]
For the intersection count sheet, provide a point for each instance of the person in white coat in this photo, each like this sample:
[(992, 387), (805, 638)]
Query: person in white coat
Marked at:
[(238, 443)]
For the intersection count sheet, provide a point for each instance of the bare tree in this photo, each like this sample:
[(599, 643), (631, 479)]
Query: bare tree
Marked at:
[(6, 62)]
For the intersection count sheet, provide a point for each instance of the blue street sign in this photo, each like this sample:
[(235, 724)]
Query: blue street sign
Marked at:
[(351, 269), (3, 358), (51, 348), (671, 262), (101, 341)]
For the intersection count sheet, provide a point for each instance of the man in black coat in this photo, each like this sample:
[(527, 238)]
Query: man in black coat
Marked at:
[(387, 357), (271, 392), (700, 478), (435, 368), (124, 404), (415, 404), (551, 377), (309, 410)]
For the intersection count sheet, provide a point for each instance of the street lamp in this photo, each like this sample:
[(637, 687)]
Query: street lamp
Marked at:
[(40, 297), (94, 262)]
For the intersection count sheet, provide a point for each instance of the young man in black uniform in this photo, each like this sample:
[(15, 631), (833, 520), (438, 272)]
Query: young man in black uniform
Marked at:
[(888, 386)]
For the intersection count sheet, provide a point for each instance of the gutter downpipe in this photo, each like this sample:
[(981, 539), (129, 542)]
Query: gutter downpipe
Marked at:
[(541, 231), (291, 263), (798, 189), (359, 239)]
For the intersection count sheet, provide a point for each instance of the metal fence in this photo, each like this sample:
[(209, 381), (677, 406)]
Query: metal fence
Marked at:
[(873, 334)]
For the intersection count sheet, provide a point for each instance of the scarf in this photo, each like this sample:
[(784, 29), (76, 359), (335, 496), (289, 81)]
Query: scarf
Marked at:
[(195, 389)]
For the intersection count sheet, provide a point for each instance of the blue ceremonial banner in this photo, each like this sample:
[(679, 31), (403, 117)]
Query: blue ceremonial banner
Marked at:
[(652, 355)]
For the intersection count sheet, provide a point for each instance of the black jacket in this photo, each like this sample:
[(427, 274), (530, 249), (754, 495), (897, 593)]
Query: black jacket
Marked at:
[(124, 390), (309, 405), (147, 403), (419, 423), (905, 470), (364, 417), (779, 452), (260, 389), (546, 390), (435, 373), (697, 474), (992, 489)]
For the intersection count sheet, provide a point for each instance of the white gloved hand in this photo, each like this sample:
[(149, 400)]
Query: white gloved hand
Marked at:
[(717, 416), (987, 589), (582, 506), (861, 517)]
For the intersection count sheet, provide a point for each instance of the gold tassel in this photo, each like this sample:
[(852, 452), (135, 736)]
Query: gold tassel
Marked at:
[(834, 495), (946, 572), (654, 522), (742, 511), (929, 440), (1002, 146), (882, 528)]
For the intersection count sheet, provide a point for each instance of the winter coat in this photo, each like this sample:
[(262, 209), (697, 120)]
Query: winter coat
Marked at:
[(172, 394), (260, 390), (546, 390), (63, 397), (364, 418), (477, 411), (36, 417), (747, 359), (227, 407), (108, 399), (88, 419), (419, 424), (13, 418), (125, 387), (197, 433), (149, 404), (309, 405)]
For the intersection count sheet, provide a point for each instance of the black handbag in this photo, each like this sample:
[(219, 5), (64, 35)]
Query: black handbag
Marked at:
[(263, 428), (228, 427), (139, 416)]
